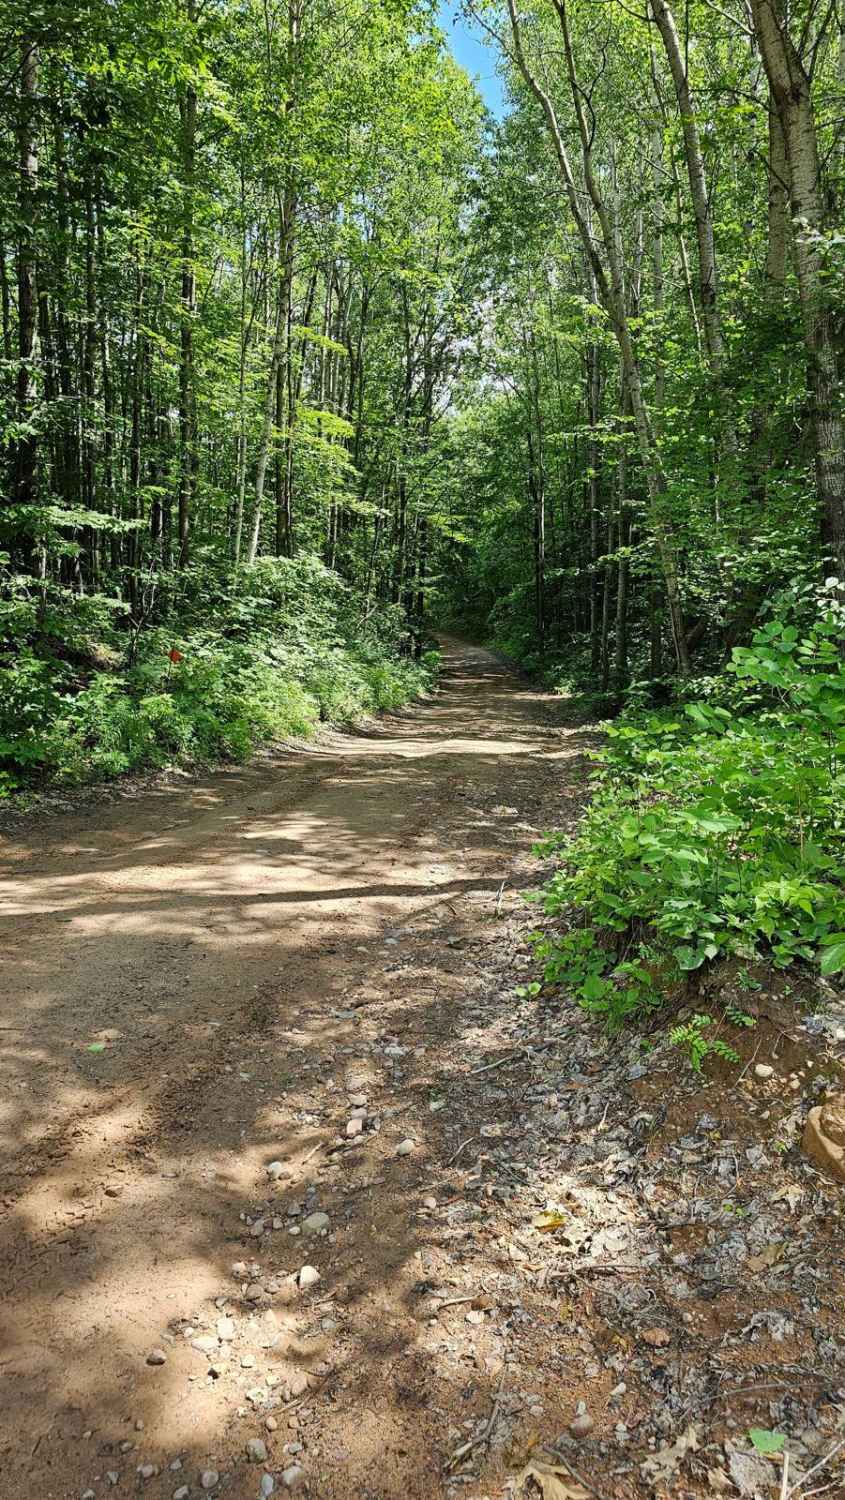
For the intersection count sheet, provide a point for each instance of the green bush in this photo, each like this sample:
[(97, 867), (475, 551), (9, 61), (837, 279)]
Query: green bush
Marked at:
[(80, 698), (713, 832)]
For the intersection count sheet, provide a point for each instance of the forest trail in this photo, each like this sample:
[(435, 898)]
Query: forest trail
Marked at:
[(252, 951)]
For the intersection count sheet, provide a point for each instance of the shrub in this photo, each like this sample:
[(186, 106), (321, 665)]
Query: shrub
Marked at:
[(712, 832)]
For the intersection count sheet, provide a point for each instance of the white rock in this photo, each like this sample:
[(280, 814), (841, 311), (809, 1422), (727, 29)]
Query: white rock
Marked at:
[(354, 1126), (268, 1485), (206, 1343), (225, 1329), (209, 1478), (308, 1276), (182, 1493), (405, 1148), (762, 1070), (276, 1169), (315, 1223), (257, 1229), (293, 1477)]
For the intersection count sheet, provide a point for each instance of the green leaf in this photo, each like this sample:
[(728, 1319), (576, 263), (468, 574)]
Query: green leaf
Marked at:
[(97, 1047), (766, 1441), (833, 958)]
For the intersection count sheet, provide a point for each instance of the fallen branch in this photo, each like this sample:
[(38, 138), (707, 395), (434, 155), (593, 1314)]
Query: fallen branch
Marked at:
[(484, 1436), (512, 1057), (822, 1464)]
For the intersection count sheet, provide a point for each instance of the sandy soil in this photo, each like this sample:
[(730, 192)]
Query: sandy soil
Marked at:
[(228, 944), (532, 1225)]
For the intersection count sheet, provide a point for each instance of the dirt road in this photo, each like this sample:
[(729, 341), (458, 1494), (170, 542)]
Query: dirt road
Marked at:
[(200, 981)]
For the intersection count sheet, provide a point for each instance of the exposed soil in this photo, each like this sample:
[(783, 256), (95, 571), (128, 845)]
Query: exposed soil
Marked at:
[(258, 955)]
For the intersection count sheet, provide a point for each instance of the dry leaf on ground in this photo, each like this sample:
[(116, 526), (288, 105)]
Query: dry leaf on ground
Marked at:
[(549, 1477)]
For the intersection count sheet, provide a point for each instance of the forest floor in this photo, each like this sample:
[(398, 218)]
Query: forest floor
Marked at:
[(512, 1222)]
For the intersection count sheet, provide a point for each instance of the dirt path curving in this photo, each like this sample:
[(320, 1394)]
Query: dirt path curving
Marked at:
[(202, 981)]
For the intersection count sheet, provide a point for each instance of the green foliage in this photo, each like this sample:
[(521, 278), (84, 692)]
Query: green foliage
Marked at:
[(690, 1037), (286, 651), (712, 833)]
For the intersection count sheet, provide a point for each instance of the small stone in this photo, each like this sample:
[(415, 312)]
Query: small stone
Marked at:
[(271, 1424), (329, 1325), (656, 1338), (762, 1070), (315, 1223), (254, 1292), (358, 1101), (112, 1477), (256, 1450), (354, 1126), (405, 1148), (247, 1361), (88, 1495), (182, 1493), (257, 1229), (225, 1329), (206, 1343), (156, 1357), (820, 1143), (147, 1471), (176, 1465), (429, 1202), (209, 1478), (139, 1426), (308, 1276), (268, 1485), (582, 1426), (293, 1477), (276, 1169)]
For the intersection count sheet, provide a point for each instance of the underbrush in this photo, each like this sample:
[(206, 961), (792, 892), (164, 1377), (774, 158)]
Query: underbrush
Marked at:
[(716, 830), (83, 696)]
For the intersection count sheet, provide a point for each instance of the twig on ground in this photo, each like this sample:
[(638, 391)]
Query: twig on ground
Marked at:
[(485, 1434), (456, 1301), (308, 1155), (784, 1483), (499, 897), (501, 1062), (463, 1145), (750, 1061), (309, 1396), (577, 1475), (822, 1464)]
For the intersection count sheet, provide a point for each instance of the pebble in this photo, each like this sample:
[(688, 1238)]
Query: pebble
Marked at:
[(293, 1477), (271, 1424), (182, 1493), (308, 1276), (429, 1202), (275, 1169), (581, 1426), (315, 1223), (89, 1495), (209, 1478), (762, 1070), (147, 1471), (247, 1361), (257, 1229), (405, 1148), (256, 1451), (358, 1101), (206, 1343), (354, 1126), (254, 1291), (156, 1357), (225, 1329), (268, 1485)]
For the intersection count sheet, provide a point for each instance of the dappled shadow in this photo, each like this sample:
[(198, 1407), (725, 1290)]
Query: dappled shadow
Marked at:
[(185, 999)]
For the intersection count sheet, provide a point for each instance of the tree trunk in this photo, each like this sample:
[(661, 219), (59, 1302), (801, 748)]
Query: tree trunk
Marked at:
[(25, 487), (791, 95)]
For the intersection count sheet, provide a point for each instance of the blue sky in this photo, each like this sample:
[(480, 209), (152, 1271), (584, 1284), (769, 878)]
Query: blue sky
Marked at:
[(474, 53)]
